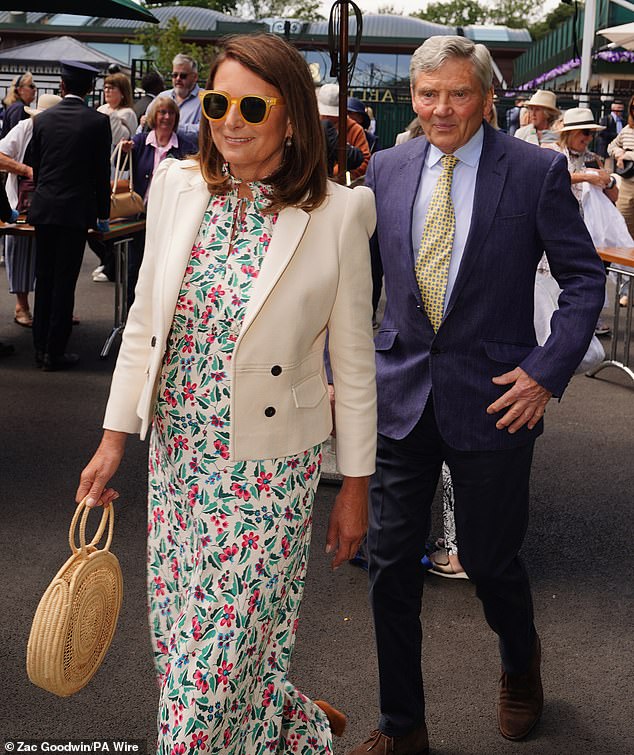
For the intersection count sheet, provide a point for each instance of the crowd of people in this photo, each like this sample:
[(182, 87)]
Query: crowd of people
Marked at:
[(253, 331)]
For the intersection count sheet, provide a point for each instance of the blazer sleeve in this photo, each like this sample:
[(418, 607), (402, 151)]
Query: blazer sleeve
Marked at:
[(129, 378), (578, 270), (351, 346)]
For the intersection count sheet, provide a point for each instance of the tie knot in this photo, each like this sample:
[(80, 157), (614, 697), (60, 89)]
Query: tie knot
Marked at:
[(448, 162)]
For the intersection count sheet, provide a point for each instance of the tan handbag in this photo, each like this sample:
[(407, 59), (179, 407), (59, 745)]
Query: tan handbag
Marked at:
[(124, 201), (77, 615)]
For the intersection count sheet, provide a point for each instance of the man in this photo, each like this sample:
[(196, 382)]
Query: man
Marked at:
[(513, 116), (460, 377), (152, 84), (185, 94), (613, 123), (71, 171), (328, 104)]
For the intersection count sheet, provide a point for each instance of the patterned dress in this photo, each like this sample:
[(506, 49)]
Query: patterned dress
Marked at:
[(228, 542)]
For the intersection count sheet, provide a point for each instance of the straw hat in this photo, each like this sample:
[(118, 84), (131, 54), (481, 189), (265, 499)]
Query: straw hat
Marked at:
[(543, 98), (44, 102), (579, 118), (328, 99)]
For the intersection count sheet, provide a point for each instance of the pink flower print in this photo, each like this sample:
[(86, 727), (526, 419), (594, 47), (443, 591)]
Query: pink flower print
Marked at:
[(228, 616), (180, 749), (263, 481), (197, 250), (199, 741), (254, 601), (181, 442), (259, 567), (169, 397), (201, 682), (228, 553), (286, 547), (269, 691), (216, 421), (222, 449), (215, 293), (227, 737), (162, 646), (218, 376), (177, 713), (193, 464), (197, 631), (205, 540), (188, 345), (224, 672), (292, 463), (181, 522), (312, 742), (159, 516), (272, 659), (175, 567), (310, 471), (289, 711), (250, 540), (199, 593), (192, 495), (288, 514), (159, 586), (164, 727), (249, 271), (236, 300), (188, 391), (189, 270), (264, 238), (240, 490)]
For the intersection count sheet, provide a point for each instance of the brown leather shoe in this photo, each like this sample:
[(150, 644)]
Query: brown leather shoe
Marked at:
[(336, 718), (414, 743), (521, 699)]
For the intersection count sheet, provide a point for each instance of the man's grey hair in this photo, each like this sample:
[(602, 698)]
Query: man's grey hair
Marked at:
[(182, 59), (436, 51)]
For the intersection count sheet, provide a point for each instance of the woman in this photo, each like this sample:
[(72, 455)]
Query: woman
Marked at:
[(149, 149), (542, 113), (15, 159), (622, 149), (251, 255), (21, 94), (118, 107)]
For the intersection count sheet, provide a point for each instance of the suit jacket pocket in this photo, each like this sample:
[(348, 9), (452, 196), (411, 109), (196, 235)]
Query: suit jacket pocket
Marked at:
[(309, 392), (509, 353), (384, 339)]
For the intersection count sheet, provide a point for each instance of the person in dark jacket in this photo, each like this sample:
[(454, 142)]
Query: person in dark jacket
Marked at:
[(71, 171), (152, 85), (21, 95), (149, 149)]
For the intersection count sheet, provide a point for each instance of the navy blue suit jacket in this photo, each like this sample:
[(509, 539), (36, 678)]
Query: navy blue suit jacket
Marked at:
[(523, 206), (143, 158)]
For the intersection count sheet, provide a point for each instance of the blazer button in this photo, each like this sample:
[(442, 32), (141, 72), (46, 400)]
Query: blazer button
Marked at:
[(269, 411), (276, 370), (153, 341)]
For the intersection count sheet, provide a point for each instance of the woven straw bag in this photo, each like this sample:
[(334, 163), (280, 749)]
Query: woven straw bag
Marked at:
[(77, 615)]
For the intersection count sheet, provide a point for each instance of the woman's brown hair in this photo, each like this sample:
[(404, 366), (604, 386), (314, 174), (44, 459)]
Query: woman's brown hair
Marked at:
[(166, 102), (301, 179), (122, 83)]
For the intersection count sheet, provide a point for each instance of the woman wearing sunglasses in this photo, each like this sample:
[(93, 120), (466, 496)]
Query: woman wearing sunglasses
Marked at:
[(251, 256), (21, 94)]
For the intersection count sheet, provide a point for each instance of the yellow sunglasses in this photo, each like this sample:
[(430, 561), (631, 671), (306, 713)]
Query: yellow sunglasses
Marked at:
[(253, 108)]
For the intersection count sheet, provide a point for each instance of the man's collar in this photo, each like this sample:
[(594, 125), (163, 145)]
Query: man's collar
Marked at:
[(193, 93), (469, 153)]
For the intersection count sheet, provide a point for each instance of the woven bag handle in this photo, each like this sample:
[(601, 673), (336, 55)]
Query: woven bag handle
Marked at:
[(107, 518)]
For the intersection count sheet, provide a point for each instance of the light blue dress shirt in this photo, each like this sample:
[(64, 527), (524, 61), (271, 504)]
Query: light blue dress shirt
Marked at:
[(189, 112), (462, 195)]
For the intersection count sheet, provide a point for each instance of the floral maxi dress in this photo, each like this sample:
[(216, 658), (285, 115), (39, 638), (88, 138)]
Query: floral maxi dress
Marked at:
[(227, 541)]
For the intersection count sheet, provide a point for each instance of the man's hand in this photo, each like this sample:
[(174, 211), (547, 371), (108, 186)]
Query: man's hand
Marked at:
[(526, 401), (348, 521)]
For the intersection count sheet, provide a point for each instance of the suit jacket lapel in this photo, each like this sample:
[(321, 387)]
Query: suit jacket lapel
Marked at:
[(490, 181), (287, 234), (186, 215), (411, 172)]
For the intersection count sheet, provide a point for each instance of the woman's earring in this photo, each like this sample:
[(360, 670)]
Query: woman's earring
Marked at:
[(289, 142)]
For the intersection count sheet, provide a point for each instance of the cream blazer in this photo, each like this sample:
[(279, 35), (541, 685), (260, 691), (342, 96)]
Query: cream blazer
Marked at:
[(315, 277)]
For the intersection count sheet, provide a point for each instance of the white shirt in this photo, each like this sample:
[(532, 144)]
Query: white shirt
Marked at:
[(462, 194), (14, 146)]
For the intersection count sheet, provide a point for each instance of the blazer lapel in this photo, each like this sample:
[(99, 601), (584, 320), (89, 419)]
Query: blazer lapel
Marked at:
[(287, 234), (490, 181), (186, 216), (411, 172)]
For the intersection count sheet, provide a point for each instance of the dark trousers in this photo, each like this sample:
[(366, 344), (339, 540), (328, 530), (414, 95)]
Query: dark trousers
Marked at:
[(491, 512), (59, 254)]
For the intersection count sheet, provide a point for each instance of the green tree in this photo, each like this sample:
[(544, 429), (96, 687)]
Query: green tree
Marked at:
[(556, 16), (161, 44), (454, 12), (516, 14)]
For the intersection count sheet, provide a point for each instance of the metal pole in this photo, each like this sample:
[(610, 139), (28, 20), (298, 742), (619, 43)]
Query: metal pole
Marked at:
[(586, 50), (343, 94)]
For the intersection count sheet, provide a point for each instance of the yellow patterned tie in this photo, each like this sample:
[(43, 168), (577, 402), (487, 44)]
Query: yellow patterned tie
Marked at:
[(432, 265)]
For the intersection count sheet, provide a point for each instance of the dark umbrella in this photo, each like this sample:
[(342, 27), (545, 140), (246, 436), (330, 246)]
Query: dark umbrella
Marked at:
[(100, 8)]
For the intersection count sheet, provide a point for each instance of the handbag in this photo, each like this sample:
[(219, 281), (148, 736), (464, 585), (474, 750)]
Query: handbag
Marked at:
[(26, 188), (77, 615), (605, 224), (124, 201), (627, 171)]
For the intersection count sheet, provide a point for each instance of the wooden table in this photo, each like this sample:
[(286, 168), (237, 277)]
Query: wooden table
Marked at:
[(619, 256), (121, 233)]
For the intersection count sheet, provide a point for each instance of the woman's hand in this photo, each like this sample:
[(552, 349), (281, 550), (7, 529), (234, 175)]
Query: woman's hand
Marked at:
[(126, 145), (102, 466), (600, 178), (348, 521)]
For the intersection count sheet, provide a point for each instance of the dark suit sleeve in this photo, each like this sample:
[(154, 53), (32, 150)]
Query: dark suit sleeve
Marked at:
[(375, 254), (580, 274), (102, 170), (5, 207)]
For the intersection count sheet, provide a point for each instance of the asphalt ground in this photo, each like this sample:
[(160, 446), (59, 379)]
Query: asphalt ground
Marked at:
[(578, 551)]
